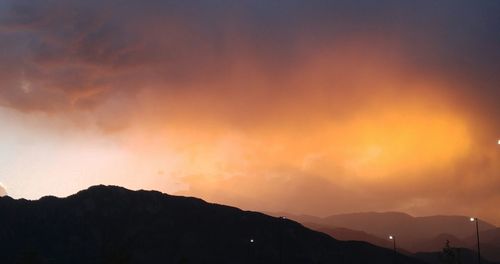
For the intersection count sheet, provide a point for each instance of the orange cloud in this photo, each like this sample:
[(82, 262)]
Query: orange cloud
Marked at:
[(307, 106)]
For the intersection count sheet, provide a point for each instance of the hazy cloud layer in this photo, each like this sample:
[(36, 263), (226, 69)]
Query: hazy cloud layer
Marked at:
[(308, 106), (3, 192)]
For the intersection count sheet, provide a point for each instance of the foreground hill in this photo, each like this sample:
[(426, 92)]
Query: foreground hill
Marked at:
[(115, 225)]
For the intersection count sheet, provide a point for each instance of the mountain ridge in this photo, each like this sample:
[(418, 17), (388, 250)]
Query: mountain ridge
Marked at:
[(109, 224)]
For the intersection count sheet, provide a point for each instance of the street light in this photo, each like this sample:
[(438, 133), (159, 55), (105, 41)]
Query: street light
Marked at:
[(474, 219), (253, 250), (393, 238)]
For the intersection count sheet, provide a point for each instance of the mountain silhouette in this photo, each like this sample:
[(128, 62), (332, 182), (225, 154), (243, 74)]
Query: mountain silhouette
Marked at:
[(106, 224), (339, 233), (346, 234)]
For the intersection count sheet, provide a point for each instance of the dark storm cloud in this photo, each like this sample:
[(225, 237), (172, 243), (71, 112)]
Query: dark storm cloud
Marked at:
[(65, 48), (62, 56)]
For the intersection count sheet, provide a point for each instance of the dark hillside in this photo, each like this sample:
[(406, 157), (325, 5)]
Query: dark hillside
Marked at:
[(114, 225)]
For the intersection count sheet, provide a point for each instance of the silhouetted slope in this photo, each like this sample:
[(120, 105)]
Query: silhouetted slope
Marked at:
[(341, 233), (345, 234), (115, 225), (302, 218)]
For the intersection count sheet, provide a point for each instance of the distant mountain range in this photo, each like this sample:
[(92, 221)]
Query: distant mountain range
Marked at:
[(105, 224), (413, 234)]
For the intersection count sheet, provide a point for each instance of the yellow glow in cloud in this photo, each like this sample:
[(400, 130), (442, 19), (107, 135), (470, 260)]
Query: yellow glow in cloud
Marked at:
[(398, 140), (372, 146)]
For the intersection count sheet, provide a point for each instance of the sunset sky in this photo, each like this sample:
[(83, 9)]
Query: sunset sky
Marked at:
[(304, 106)]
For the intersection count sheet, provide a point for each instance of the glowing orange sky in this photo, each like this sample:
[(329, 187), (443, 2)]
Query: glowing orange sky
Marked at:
[(298, 107)]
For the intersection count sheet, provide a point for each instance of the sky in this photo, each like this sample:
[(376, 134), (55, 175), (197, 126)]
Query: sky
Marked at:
[(309, 107)]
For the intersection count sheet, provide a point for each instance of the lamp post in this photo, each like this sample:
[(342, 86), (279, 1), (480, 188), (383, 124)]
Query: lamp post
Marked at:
[(393, 238), (253, 250), (474, 219)]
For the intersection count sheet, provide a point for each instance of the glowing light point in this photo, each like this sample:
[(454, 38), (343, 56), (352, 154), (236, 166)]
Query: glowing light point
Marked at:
[(391, 237), (251, 240), (498, 142), (472, 219)]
